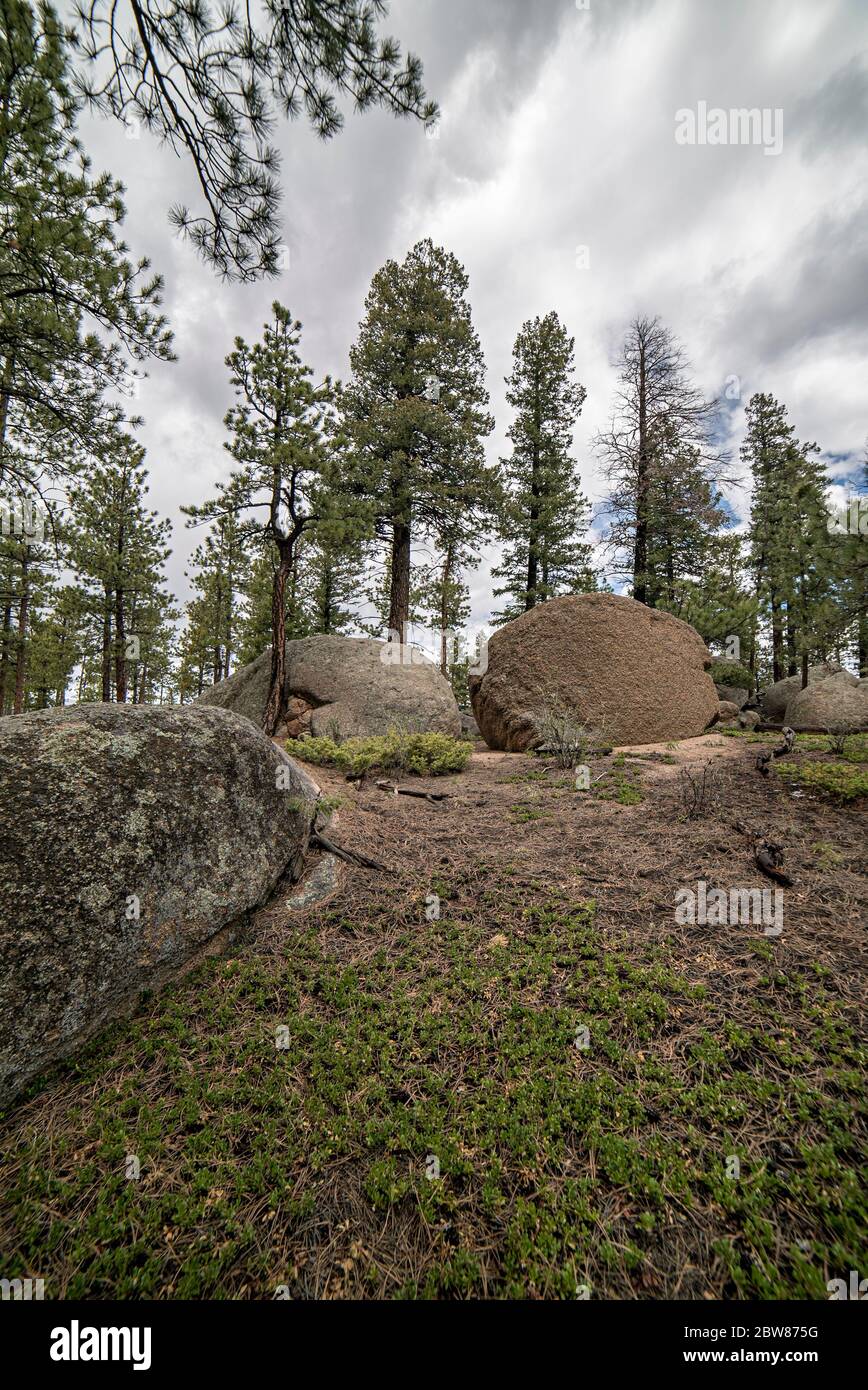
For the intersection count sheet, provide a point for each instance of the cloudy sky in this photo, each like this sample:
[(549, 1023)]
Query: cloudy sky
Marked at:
[(558, 182)]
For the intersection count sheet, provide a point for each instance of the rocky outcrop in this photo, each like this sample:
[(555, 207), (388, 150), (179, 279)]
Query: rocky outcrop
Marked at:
[(733, 694), (727, 712), (133, 841), (775, 698), (346, 686), (840, 702), (630, 673)]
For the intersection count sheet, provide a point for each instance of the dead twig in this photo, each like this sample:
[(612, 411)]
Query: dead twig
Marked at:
[(351, 856)]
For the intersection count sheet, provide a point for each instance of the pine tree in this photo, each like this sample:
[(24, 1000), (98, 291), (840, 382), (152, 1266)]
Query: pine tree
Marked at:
[(206, 81), (416, 410), (544, 515), (220, 568), (658, 448), (716, 598), (29, 566), (792, 554), (333, 578), (118, 547), (851, 553), (441, 598), (64, 270), (285, 437)]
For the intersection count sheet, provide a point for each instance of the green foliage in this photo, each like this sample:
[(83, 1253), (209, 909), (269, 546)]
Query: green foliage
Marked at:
[(456, 1038), (662, 457), (427, 755), (840, 781), (118, 548), (544, 515), (416, 410), (792, 552), (725, 673), (64, 269), (228, 75)]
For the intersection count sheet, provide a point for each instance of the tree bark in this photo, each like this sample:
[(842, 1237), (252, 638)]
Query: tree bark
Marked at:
[(120, 649), (6, 643), (107, 645), (275, 708), (23, 611), (777, 640), (445, 580), (399, 598)]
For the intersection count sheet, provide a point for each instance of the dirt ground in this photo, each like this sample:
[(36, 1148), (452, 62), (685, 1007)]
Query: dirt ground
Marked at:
[(437, 1123)]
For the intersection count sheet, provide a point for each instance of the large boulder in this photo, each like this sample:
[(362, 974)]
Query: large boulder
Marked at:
[(728, 712), (732, 694), (775, 698), (346, 686), (133, 841), (839, 702), (630, 673)]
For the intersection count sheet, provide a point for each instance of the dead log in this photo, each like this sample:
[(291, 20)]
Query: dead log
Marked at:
[(351, 856), (412, 791)]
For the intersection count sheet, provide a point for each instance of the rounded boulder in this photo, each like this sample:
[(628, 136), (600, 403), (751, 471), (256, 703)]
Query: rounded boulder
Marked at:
[(346, 687), (628, 673), (134, 840)]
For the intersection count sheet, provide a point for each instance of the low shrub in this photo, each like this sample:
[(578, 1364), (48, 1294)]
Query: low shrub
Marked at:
[(426, 755), (841, 781), (725, 673)]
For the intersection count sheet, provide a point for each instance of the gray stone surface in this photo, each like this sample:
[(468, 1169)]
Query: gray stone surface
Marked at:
[(188, 816), (775, 698), (350, 688), (735, 694), (839, 702)]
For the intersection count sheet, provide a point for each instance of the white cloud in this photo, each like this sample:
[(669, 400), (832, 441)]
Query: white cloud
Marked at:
[(558, 131)]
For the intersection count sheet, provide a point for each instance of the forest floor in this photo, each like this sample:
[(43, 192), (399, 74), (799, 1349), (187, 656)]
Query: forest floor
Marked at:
[(497, 1068)]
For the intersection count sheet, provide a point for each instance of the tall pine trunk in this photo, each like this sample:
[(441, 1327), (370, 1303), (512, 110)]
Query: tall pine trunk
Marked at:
[(399, 596), (23, 614), (534, 531), (6, 642), (445, 581), (275, 708), (120, 649), (107, 644), (777, 640)]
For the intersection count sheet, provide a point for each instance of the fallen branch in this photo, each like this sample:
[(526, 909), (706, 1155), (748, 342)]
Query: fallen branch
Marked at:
[(764, 759), (411, 791), (768, 855), (351, 856)]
